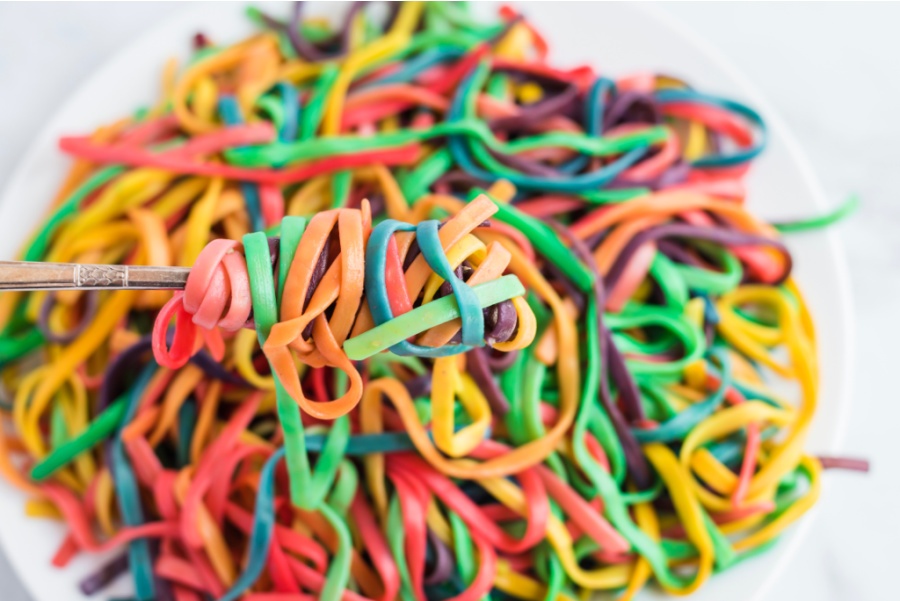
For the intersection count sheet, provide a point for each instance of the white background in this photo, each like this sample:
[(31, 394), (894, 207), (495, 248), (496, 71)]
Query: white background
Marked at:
[(832, 71)]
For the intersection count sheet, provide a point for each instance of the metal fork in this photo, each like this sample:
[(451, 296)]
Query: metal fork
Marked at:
[(32, 276)]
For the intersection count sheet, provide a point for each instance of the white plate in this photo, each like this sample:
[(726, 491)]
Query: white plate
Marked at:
[(616, 37)]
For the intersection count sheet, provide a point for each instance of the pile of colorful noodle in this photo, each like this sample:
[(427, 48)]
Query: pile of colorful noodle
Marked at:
[(461, 325)]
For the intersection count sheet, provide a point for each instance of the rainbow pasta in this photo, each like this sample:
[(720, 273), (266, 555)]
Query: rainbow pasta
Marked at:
[(460, 325)]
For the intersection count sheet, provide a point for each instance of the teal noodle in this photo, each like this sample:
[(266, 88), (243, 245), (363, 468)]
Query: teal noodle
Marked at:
[(262, 531), (462, 106), (377, 294), (230, 111), (738, 157), (679, 426), (126, 486)]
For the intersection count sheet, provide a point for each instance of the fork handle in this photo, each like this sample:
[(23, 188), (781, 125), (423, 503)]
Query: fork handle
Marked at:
[(32, 276)]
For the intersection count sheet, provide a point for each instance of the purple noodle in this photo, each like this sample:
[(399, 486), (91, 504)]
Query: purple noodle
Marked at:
[(500, 322), (393, 11), (677, 253), (634, 457), (317, 274), (162, 586), (309, 51), (481, 373), (500, 362), (594, 240), (709, 332), (631, 107), (463, 178), (377, 204), (271, 23), (628, 390), (533, 113), (683, 230), (43, 324), (442, 564), (104, 575), (129, 361), (576, 295), (347, 28), (524, 165), (419, 386), (675, 174), (845, 463)]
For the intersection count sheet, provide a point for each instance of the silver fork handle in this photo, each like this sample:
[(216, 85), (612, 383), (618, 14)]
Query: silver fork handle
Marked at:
[(32, 276)]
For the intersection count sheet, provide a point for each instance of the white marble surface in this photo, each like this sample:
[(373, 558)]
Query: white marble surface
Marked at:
[(833, 71)]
